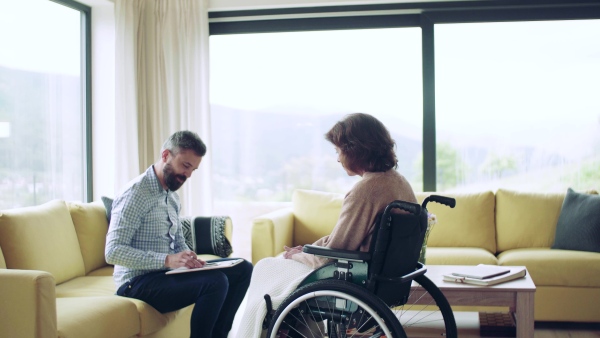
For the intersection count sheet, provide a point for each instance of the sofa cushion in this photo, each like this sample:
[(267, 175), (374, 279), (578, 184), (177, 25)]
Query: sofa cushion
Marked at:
[(470, 224), (151, 320), (97, 317), (107, 270), (91, 227), (578, 225), (315, 214), (550, 267), (43, 238), (459, 256), (526, 220), (95, 286)]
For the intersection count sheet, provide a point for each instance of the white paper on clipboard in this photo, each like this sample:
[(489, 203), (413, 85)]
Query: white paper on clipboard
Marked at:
[(208, 266)]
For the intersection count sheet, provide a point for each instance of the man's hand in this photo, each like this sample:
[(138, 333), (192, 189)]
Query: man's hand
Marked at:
[(289, 252), (185, 258)]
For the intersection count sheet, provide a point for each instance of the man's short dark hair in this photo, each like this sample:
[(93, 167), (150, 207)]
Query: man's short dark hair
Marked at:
[(365, 143), (185, 139)]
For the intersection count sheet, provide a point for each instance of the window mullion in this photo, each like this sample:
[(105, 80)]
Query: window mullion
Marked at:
[(429, 137)]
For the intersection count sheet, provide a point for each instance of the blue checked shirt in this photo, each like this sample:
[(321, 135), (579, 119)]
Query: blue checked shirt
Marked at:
[(144, 228)]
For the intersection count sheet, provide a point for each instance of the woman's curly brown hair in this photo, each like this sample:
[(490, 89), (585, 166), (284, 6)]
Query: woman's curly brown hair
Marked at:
[(365, 143)]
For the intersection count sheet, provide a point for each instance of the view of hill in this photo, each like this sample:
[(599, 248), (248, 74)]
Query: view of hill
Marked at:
[(42, 155), (257, 154), (284, 151), (266, 154)]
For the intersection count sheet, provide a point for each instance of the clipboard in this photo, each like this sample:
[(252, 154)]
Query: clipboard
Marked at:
[(210, 265)]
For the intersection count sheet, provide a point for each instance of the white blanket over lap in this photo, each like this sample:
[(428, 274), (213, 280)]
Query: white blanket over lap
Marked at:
[(277, 277)]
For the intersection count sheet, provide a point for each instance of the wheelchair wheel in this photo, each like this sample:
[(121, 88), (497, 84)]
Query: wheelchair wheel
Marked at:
[(427, 311), (314, 311), (333, 309)]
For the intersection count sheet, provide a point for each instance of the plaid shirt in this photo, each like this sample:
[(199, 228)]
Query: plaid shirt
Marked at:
[(144, 228)]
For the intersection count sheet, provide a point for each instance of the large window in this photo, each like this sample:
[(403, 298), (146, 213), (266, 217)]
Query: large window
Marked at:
[(275, 95), (42, 103), (494, 95), (517, 105)]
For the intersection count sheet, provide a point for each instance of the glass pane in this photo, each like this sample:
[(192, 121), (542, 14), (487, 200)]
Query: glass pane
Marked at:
[(41, 116), (275, 95), (517, 106)]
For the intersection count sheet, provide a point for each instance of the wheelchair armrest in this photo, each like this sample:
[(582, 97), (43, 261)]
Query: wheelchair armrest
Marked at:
[(419, 270), (350, 255)]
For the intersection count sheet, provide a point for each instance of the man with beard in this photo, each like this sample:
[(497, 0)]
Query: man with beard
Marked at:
[(145, 239)]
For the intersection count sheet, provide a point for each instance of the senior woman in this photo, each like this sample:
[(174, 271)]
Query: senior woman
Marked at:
[(365, 148)]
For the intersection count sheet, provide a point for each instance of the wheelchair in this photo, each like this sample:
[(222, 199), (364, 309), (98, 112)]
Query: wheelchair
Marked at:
[(380, 293)]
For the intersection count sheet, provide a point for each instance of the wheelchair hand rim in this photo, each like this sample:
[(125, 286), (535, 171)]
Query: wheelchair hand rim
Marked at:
[(320, 293)]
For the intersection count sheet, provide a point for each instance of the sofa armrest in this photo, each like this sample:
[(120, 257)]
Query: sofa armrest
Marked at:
[(28, 306), (270, 232)]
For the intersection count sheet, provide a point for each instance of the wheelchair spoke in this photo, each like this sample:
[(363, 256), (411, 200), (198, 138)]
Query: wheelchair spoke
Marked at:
[(334, 309), (292, 326), (360, 320), (346, 310), (321, 318)]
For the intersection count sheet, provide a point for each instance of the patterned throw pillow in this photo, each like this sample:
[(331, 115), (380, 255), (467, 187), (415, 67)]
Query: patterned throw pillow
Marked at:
[(209, 236), (108, 206), (186, 226), (203, 235)]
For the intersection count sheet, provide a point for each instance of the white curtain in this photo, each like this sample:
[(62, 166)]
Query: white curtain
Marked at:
[(162, 87)]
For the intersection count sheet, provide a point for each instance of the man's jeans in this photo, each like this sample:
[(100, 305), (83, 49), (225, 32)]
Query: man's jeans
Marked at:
[(216, 293)]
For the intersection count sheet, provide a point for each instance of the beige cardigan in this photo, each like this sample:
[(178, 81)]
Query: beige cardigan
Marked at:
[(361, 205)]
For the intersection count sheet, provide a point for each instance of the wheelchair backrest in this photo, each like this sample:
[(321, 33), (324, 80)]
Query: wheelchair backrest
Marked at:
[(395, 249)]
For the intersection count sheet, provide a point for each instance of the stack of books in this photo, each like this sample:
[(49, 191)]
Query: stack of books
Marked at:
[(485, 275)]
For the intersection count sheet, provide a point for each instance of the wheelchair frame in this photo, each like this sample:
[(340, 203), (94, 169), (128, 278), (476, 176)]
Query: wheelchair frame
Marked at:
[(373, 281)]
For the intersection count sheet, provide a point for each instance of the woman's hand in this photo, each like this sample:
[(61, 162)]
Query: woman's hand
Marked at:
[(185, 258), (289, 252)]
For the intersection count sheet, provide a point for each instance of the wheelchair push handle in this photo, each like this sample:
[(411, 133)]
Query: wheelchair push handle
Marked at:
[(406, 206), (448, 201)]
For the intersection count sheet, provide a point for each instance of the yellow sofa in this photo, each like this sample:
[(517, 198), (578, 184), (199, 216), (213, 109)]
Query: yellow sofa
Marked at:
[(503, 228), (55, 282)]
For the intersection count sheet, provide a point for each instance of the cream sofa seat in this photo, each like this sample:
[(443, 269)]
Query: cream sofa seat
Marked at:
[(56, 282), (503, 227)]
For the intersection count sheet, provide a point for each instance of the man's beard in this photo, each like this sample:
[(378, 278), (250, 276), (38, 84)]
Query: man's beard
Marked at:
[(171, 179)]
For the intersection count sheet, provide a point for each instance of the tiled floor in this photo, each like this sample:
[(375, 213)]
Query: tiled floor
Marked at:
[(468, 327), (567, 330)]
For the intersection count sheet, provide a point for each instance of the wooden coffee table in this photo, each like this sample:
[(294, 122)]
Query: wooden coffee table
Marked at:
[(517, 295)]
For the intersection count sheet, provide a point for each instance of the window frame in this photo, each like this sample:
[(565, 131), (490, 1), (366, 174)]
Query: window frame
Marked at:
[(86, 85), (412, 14)]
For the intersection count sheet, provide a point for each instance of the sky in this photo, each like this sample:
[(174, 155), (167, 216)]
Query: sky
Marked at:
[(4, 129), (48, 40), (335, 70), (522, 78)]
